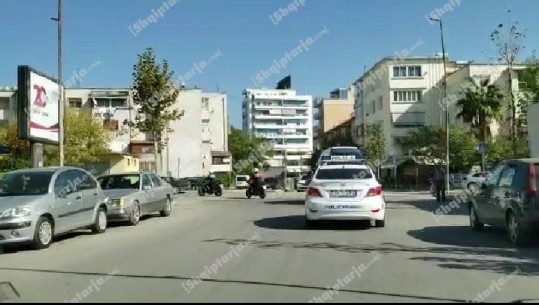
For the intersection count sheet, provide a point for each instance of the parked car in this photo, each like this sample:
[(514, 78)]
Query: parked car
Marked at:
[(39, 204), (508, 199), (303, 183), (173, 183), (473, 182), (345, 192), (133, 195), (241, 181)]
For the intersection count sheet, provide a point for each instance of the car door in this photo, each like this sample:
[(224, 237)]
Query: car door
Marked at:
[(146, 199), (68, 202), (87, 187), (160, 193), (503, 195), (485, 195)]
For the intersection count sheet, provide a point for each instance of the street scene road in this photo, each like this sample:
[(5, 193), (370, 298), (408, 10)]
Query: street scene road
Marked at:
[(232, 249)]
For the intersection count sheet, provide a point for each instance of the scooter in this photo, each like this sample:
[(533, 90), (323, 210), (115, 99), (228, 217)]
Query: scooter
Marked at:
[(253, 192)]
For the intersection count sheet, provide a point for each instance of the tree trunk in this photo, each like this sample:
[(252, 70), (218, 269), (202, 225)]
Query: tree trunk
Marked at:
[(513, 112), (156, 153)]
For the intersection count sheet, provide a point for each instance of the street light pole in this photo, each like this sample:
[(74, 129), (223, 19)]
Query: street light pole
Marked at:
[(446, 106), (60, 91)]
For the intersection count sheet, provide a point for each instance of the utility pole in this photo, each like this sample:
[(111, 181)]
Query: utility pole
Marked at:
[(446, 106), (60, 89)]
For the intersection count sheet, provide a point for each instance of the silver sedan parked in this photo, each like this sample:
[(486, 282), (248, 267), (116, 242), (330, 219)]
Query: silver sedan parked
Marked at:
[(133, 195), (39, 204)]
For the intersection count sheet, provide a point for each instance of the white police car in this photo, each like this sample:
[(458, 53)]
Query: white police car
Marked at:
[(345, 192)]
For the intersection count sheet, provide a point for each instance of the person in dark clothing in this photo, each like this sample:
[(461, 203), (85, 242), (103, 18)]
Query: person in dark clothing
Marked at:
[(438, 177), (254, 180)]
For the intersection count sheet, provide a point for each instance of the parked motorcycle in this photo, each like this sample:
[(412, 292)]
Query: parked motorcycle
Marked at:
[(213, 187), (256, 191)]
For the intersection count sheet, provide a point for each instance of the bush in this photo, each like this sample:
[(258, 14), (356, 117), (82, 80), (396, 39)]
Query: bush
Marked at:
[(225, 179)]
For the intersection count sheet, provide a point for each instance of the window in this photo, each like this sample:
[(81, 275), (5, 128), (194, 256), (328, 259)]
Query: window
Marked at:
[(407, 96), (156, 181), (75, 102), (84, 181), (414, 71), (4, 103), (407, 71), (380, 103), (147, 166), (25, 184), (507, 177), (494, 177), (110, 102), (399, 71), (373, 106), (120, 182), (343, 174), (146, 180)]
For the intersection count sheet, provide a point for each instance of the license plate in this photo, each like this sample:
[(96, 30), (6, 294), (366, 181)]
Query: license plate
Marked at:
[(342, 158), (341, 207), (343, 194)]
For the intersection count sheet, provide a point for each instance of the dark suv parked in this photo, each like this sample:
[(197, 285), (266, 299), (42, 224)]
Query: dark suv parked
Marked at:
[(509, 199)]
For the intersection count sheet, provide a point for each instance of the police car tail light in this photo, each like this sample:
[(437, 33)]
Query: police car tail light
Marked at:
[(313, 192), (375, 191)]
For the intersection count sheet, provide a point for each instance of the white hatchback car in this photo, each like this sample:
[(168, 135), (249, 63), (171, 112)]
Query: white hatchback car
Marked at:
[(344, 192)]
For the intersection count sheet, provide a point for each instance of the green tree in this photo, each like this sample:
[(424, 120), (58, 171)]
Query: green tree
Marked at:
[(376, 144), (499, 148), (480, 104), (155, 96), (86, 140), (248, 151), (20, 155), (429, 143), (463, 152)]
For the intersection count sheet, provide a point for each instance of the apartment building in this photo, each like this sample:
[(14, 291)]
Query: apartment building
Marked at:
[(402, 94), (332, 112), (198, 145), (7, 104), (286, 119)]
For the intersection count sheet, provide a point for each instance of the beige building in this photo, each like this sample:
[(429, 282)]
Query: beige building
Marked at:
[(333, 112), (498, 75)]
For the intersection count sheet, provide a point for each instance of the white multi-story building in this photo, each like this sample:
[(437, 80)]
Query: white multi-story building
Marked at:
[(198, 145), (401, 94), (284, 118)]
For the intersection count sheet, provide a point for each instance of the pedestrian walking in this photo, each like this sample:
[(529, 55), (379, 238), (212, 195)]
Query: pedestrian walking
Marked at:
[(438, 176)]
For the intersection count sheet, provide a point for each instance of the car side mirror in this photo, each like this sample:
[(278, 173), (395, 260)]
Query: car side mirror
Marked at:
[(147, 187)]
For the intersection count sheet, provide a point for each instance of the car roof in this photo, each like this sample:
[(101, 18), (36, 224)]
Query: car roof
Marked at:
[(527, 160), (48, 169)]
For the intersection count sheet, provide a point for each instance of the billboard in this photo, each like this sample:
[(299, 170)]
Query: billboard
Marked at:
[(37, 106)]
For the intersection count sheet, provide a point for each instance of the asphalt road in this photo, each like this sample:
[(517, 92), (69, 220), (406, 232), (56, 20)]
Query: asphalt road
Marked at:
[(259, 251)]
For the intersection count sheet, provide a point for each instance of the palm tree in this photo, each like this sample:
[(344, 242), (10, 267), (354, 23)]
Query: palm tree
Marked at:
[(480, 104)]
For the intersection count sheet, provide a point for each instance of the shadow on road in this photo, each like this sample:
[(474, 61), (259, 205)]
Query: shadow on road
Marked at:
[(232, 282), (286, 202), (297, 222), (489, 250), (15, 248), (429, 205)]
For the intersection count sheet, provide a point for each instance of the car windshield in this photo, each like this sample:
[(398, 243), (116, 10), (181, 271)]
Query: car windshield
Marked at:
[(343, 174), (241, 179), (25, 184), (120, 182)]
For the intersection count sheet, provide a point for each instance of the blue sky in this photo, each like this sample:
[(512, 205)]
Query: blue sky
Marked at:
[(360, 33)]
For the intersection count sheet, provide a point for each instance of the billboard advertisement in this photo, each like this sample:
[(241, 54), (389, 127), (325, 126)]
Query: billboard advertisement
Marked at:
[(38, 99)]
